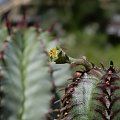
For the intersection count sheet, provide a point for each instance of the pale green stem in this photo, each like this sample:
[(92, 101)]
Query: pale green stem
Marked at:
[(81, 61)]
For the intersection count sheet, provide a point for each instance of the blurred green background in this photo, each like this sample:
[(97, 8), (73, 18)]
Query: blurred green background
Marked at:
[(86, 27)]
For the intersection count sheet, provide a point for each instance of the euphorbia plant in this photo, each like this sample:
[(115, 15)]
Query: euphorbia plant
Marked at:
[(28, 80), (93, 93)]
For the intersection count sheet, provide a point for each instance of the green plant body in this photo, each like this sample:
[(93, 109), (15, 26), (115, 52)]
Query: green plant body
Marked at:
[(93, 94), (25, 73), (30, 83)]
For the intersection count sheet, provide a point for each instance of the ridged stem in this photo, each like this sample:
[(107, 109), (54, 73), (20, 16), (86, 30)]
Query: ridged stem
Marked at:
[(23, 76)]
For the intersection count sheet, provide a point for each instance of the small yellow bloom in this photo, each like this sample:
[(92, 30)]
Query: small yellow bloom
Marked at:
[(53, 53)]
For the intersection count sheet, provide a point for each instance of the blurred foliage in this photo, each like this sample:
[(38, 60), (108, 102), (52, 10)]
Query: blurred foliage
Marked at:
[(89, 27), (95, 47)]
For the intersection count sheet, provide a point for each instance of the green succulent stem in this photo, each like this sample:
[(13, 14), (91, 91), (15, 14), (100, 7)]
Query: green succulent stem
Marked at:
[(23, 78), (81, 61)]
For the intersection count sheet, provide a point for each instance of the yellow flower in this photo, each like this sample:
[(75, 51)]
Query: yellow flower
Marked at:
[(53, 53)]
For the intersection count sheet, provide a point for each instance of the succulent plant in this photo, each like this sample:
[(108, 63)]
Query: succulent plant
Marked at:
[(27, 78), (30, 84), (93, 94)]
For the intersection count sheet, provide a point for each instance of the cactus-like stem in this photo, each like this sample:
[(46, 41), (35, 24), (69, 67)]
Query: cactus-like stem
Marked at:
[(92, 95), (81, 61), (109, 87)]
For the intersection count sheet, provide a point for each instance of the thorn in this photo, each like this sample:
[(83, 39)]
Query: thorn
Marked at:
[(65, 114), (102, 66), (112, 67), (70, 79), (57, 101), (61, 89), (111, 64), (93, 65)]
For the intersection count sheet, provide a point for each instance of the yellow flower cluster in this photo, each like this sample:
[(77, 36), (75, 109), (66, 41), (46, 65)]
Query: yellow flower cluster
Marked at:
[(53, 53)]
